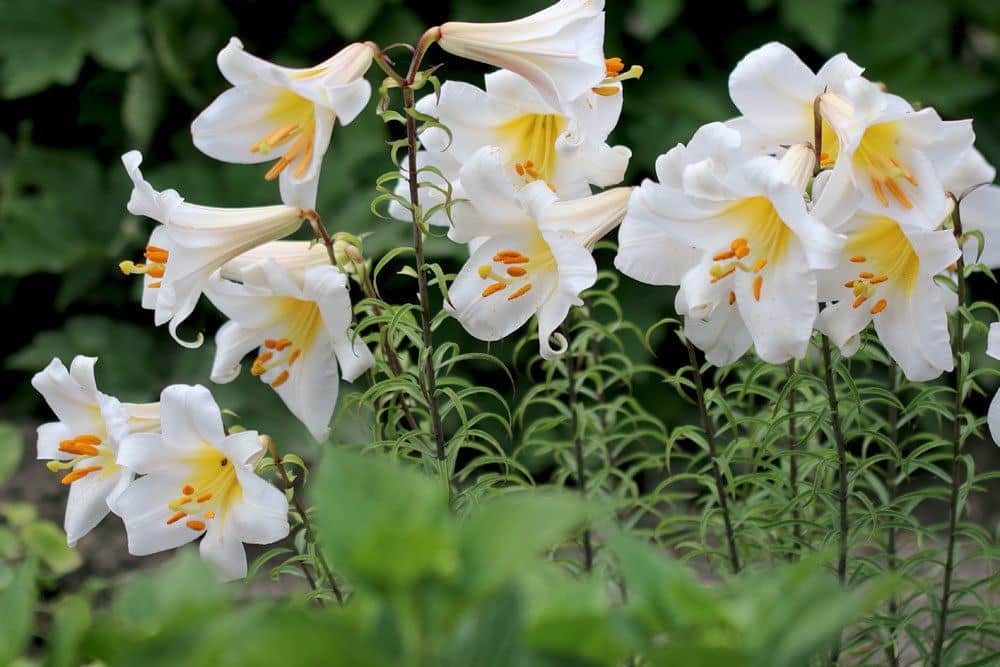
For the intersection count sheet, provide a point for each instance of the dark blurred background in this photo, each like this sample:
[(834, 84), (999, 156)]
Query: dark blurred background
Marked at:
[(83, 81)]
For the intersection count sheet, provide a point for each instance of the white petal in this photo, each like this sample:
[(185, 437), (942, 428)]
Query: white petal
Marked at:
[(144, 508), (87, 503), (73, 402), (915, 332), (243, 447), (993, 341), (980, 210), (494, 209), (328, 287), (234, 122), (970, 169), (310, 392), (843, 324), (836, 71), (722, 335), (773, 88), (646, 252), (145, 453), (232, 343), (261, 517), (49, 437), (577, 272), (145, 200), (190, 416), (222, 548), (993, 417), (937, 250)]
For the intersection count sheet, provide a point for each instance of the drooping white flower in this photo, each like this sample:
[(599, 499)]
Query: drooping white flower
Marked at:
[(971, 181), (301, 329), (889, 152), (760, 246), (193, 242), (566, 148), (274, 112), (85, 440), (295, 257), (993, 350), (198, 482), (532, 255), (885, 275), (560, 49), (775, 91)]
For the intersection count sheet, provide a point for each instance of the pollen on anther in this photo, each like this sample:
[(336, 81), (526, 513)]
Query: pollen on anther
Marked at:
[(519, 168), (516, 271), (732, 297), (175, 517), (857, 259), (209, 515), (493, 289), (742, 251), (154, 285), (849, 284), (87, 439), (866, 275), (187, 489), (725, 254), (280, 380), (860, 300), (878, 279), (520, 292), (194, 524), (79, 474), (879, 306), (757, 283), (205, 497), (295, 355)]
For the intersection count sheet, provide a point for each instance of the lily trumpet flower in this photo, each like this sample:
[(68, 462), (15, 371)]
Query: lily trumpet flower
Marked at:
[(971, 184), (281, 113), (566, 149), (300, 329), (295, 257), (192, 243), (885, 275), (199, 482), (760, 244), (560, 49), (775, 91), (84, 443), (890, 153), (532, 255)]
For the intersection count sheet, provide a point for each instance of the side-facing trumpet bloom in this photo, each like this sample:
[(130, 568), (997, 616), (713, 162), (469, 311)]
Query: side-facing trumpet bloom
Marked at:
[(885, 275), (300, 329), (295, 257), (560, 49), (760, 245), (775, 91), (199, 482), (284, 114), (888, 151), (193, 242), (565, 148), (84, 442), (535, 253)]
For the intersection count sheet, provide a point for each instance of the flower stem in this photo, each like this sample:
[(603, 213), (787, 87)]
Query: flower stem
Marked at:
[(956, 452), (893, 488), (838, 435), (581, 471), (429, 379), (720, 489), (793, 462), (307, 525)]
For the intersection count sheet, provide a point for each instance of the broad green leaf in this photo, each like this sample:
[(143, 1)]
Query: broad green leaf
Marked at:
[(382, 525), (11, 450), (69, 624), (47, 542), (46, 41), (489, 636), (17, 604), (350, 18), (143, 105)]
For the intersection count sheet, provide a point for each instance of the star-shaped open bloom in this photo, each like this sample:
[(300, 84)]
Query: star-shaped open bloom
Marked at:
[(300, 329), (565, 148), (760, 246), (197, 482), (192, 243), (971, 182), (888, 151), (775, 91), (532, 255), (284, 114), (885, 275), (560, 49), (84, 442)]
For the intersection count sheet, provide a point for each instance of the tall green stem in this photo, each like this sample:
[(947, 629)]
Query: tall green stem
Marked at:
[(793, 461), (720, 487), (581, 471), (893, 560), (958, 335)]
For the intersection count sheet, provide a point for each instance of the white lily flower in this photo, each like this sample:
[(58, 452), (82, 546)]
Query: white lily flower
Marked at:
[(760, 245), (892, 154), (300, 329), (775, 91), (993, 415), (279, 112), (295, 257), (971, 179), (885, 275), (565, 148), (197, 482), (560, 49), (85, 440), (193, 242), (534, 256)]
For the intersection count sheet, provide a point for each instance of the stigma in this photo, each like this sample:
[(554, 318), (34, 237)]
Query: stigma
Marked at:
[(82, 447), (614, 70)]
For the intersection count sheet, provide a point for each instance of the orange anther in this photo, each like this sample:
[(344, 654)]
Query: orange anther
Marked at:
[(858, 258), (78, 448), (737, 242), (879, 306), (757, 283), (725, 254), (154, 285), (860, 300), (276, 137), (605, 91), (158, 256), (184, 500), (742, 251), (270, 343), (79, 473), (205, 497), (521, 292), (515, 260), (175, 517), (531, 172), (732, 297), (155, 271), (156, 248), (296, 353), (878, 279), (493, 289), (528, 164), (209, 515), (866, 275), (263, 357), (879, 192), (187, 490), (759, 264), (281, 344), (505, 253), (613, 66), (516, 271), (280, 380), (519, 168), (194, 524), (898, 193), (849, 284)]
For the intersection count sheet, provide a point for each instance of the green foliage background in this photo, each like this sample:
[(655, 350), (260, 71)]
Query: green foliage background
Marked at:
[(83, 81)]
